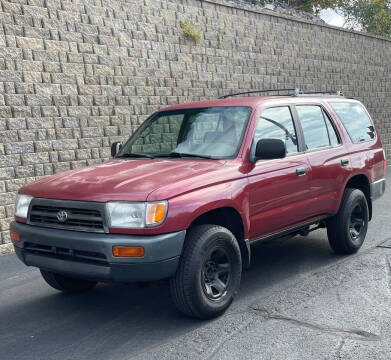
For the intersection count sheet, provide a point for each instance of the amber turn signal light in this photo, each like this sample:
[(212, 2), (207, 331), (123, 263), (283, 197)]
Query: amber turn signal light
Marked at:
[(128, 251), (155, 213), (14, 235)]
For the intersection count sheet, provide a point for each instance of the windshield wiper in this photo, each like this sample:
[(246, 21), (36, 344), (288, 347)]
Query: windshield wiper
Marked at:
[(135, 155), (176, 154)]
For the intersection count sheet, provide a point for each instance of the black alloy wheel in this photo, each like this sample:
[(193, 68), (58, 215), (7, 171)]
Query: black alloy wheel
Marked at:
[(216, 274)]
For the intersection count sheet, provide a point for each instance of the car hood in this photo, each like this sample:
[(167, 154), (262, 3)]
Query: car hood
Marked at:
[(122, 180)]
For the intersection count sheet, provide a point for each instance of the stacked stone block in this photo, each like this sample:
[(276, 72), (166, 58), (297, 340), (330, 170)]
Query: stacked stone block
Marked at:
[(76, 75)]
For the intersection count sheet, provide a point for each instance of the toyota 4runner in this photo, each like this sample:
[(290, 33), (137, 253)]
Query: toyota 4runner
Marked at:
[(185, 197)]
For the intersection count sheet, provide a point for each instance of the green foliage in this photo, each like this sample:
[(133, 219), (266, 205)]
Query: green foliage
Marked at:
[(259, 2), (372, 16), (190, 31), (313, 6), (303, 5)]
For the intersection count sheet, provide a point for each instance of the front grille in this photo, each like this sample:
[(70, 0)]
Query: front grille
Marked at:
[(77, 218), (66, 254)]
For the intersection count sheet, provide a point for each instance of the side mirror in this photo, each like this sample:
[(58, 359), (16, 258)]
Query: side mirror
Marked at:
[(267, 149), (115, 148)]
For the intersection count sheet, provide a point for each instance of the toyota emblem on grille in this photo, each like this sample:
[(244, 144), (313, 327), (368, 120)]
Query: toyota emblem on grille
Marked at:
[(62, 216)]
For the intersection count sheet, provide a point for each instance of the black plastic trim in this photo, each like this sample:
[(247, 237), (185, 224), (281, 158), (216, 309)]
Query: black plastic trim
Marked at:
[(89, 255), (68, 204), (289, 231)]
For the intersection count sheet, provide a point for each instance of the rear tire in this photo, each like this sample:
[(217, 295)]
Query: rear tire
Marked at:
[(347, 229), (209, 272), (67, 284)]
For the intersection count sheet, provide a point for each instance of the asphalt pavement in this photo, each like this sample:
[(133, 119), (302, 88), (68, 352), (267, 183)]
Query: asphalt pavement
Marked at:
[(298, 301)]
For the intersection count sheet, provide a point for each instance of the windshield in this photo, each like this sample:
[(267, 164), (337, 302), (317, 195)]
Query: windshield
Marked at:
[(208, 132)]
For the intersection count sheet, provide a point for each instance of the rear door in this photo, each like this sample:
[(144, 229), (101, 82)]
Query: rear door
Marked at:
[(278, 189), (329, 160)]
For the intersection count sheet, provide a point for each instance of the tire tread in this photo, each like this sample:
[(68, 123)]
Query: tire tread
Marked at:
[(182, 291), (335, 226)]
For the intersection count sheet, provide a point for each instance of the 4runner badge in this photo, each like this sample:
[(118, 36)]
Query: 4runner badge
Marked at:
[(62, 216)]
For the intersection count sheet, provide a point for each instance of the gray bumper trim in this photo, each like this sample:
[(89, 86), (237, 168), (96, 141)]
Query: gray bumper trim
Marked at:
[(378, 188), (161, 258)]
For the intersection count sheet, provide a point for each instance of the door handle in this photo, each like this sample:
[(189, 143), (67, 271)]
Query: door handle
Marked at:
[(301, 171), (345, 162)]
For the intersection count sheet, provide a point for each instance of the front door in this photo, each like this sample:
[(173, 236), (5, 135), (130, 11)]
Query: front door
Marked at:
[(279, 190)]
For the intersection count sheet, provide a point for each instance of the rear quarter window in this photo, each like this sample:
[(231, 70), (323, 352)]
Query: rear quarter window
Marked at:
[(356, 121)]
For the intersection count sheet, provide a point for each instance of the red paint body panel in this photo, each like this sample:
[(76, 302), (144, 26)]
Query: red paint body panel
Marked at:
[(20, 219), (277, 196), (119, 180), (268, 195)]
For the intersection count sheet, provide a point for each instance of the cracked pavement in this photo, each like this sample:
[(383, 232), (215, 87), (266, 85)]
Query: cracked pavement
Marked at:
[(298, 301)]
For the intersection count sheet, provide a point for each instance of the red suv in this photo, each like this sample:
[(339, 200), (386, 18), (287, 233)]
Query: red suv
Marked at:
[(195, 186)]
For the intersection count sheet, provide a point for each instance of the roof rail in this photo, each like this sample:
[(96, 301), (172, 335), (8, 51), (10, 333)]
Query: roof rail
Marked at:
[(322, 93), (293, 92)]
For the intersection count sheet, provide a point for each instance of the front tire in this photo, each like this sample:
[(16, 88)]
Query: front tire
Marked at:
[(67, 284), (208, 276), (347, 229)]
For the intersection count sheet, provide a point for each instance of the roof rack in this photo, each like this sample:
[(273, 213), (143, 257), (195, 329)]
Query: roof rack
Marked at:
[(294, 92), (322, 93)]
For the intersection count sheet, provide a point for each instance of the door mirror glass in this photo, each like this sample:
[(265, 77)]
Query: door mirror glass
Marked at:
[(115, 148), (267, 149)]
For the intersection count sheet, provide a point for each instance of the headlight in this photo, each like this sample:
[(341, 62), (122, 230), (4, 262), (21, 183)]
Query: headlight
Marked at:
[(136, 215), (22, 204)]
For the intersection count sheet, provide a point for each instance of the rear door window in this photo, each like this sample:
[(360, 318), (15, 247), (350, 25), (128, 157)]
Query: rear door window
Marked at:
[(356, 121), (313, 123)]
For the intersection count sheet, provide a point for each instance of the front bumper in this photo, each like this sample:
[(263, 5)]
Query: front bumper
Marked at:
[(89, 255)]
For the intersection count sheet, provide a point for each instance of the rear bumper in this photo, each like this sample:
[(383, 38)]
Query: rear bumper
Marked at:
[(378, 188), (89, 255)]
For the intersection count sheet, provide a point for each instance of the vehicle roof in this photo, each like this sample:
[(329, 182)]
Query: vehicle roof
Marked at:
[(254, 101)]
